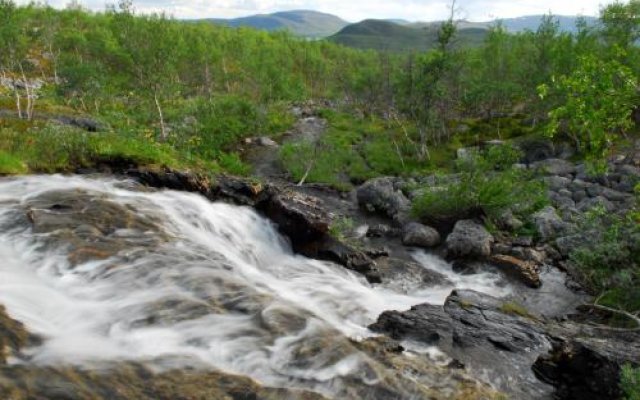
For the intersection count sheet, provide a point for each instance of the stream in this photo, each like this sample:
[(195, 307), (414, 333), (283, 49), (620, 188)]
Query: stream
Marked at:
[(105, 270)]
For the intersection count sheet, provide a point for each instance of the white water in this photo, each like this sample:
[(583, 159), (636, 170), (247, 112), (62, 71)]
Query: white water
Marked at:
[(225, 289)]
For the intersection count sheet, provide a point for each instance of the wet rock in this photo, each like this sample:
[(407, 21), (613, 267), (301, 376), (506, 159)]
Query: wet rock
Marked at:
[(91, 227), (528, 272), (407, 276), (133, 381), (555, 166), (333, 250), (382, 230), (480, 331), (548, 223), (298, 216), (418, 235), (381, 195), (588, 368), (469, 239), (13, 337), (425, 322)]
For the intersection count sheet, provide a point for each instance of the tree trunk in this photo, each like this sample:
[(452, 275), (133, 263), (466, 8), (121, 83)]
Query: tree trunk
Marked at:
[(28, 90), (163, 128)]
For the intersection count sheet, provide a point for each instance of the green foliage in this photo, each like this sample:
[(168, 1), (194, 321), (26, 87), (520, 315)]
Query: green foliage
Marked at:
[(597, 101), (11, 165), (485, 184), (341, 228), (630, 382), (609, 263), (57, 148)]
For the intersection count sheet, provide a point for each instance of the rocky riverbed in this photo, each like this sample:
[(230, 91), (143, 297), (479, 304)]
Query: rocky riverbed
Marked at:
[(132, 283)]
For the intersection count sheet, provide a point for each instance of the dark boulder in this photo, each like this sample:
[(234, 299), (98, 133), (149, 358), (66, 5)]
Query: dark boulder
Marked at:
[(381, 195), (469, 239), (418, 235), (479, 331), (588, 368)]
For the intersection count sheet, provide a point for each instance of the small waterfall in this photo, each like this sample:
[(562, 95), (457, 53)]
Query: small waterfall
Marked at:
[(172, 279)]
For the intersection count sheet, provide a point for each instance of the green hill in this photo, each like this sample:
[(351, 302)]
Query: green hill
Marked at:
[(305, 23), (390, 36)]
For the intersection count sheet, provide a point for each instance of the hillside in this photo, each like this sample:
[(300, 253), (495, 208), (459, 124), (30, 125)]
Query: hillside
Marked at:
[(305, 23), (389, 36), (567, 23)]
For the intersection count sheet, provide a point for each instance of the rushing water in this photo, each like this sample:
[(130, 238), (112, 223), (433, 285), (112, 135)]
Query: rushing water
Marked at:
[(198, 283)]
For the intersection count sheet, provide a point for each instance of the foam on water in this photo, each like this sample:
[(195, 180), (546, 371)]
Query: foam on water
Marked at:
[(224, 290)]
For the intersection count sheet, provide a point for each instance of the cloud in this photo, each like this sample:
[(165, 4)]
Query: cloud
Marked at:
[(355, 10)]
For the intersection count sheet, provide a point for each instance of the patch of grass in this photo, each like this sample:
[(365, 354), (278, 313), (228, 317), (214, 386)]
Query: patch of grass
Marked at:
[(11, 165), (351, 151), (56, 148), (630, 382), (513, 308), (484, 184), (341, 228)]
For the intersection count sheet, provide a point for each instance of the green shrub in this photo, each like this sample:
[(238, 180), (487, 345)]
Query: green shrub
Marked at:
[(232, 163), (630, 382), (609, 263), (485, 183)]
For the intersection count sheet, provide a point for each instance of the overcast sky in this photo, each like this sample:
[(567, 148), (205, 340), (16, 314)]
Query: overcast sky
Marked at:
[(356, 10)]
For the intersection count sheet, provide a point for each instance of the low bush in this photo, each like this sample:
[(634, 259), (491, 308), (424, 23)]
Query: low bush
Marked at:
[(610, 262), (630, 382), (487, 183)]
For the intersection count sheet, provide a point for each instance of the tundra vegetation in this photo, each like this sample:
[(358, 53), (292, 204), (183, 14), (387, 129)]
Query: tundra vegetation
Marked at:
[(79, 89)]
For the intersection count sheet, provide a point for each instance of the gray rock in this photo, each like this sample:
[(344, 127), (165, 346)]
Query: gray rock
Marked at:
[(599, 201), (555, 166), (567, 244), (266, 142), (560, 201), (630, 170), (548, 223), (469, 240), (480, 331), (380, 195), (418, 235), (565, 193), (509, 222), (556, 183), (578, 185), (579, 195), (406, 276), (595, 190), (382, 230), (613, 195), (588, 367)]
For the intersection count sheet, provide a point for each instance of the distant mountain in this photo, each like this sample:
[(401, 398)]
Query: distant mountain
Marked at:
[(389, 36), (532, 22), (305, 23), (402, 36)]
